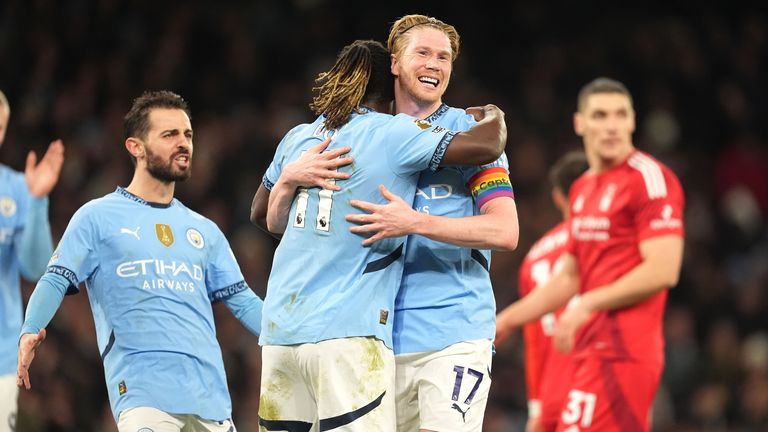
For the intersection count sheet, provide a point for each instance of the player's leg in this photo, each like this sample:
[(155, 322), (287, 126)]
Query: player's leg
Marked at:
[(406, 391), (453, 386), (148, 419), (287, 401), (354, 383), (9, 394), (610, 395)]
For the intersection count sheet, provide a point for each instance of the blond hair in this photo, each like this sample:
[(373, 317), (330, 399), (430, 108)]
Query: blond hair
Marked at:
[(397, 39)]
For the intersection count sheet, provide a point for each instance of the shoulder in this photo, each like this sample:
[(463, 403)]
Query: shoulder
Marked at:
[(204, 222), (651, 178)]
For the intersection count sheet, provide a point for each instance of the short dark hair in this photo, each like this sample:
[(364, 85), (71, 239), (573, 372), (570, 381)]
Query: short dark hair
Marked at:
[(567, 169), (361, 72), (601, 85), (137, 120)]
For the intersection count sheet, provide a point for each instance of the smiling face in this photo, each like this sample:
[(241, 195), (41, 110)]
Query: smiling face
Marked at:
[(606, 122), (422, 69), (168, 145)]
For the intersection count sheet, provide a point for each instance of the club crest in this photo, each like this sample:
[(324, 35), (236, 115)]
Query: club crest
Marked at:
[(7, 206), (195, 238)]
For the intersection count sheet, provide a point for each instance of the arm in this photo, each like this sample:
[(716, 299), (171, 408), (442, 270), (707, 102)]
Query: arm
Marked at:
[(259, 207), (246, 307), (659, 270), (43, 304), (482, 144), (495, 228), (312, 169), (555, 293), (35, 244)]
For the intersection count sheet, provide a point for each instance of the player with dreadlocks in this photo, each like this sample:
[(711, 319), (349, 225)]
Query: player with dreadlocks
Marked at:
[(327, 320)]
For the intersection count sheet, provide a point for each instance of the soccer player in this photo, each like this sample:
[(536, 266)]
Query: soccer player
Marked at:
[(25, 244), (445, 310), (152, 268), (327, 327), (547, 371), (625, 250)]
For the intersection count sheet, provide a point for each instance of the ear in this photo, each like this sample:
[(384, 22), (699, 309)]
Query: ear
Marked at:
[(578, 123), (393, 67), (135, 147)]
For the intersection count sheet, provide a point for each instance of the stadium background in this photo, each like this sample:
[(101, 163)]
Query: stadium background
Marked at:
[(697, 73)]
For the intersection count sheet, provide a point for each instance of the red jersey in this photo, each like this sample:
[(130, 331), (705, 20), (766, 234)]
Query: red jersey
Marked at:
[(611, 213), (546, 369)]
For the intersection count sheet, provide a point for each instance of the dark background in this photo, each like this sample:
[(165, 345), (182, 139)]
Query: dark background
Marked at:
[(697, 74)]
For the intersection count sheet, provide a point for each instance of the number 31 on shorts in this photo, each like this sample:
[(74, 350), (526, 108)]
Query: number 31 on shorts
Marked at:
[(579, 411)]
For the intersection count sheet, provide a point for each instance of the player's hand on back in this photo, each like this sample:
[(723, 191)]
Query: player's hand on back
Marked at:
[(42, 177), (27, 346), (394, 219), (316, 167)]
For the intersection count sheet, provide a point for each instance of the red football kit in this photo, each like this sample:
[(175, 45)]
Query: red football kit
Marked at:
[(547, 371), (619, 354)]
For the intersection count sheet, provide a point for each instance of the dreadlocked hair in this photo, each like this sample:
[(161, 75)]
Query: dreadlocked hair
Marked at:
[(341, 90)]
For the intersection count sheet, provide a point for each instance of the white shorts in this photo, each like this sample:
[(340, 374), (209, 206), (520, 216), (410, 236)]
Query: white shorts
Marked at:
[(147, 419), (342, 384), (9, 394), (444, 390)]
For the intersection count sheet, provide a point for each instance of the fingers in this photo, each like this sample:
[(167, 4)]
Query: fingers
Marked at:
[(319, 148), (362, 205), (476, 112), (31, 161)]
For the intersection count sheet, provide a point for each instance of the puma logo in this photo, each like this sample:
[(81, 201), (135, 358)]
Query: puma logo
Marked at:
[(134, 233), (463, 413)]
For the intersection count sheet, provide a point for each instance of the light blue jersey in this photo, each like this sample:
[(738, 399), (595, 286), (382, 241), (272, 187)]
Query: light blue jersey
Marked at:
[(151, 273), (446, 295), (324, 284), (24, 239)]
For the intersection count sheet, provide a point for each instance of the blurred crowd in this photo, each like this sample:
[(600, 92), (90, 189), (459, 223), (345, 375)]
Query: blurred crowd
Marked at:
[(697, 74)]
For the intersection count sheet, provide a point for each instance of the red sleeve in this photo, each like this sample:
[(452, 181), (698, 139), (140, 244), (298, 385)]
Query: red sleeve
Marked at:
[(659, 208)]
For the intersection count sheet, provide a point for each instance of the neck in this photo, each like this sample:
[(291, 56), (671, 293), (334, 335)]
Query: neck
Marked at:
[(599, 165), (405, 104), (150, 189)]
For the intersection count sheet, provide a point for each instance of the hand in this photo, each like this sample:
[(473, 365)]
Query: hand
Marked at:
[(315, 168), (480, 113), (27, 346), (42, 177), (394, 219), (534, 425), (568, 324), (503, 331)]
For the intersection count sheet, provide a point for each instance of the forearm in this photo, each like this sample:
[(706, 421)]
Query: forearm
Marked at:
[(544, 299), (280, 201), (660, 269), (635, 286), (44, 302), (479, 232), (246, 306), (35, 244)]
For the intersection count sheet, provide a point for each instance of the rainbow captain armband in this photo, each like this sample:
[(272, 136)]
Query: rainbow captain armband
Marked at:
[(489, 184)]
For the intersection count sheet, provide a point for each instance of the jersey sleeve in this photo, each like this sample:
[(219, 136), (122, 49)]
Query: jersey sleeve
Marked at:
[(491, 181), (659, 206), (276, 166), (415, 145), (223, 277), (75, 258)]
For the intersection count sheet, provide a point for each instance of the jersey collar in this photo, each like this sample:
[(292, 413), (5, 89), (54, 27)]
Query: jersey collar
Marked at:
[(121, 191)]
